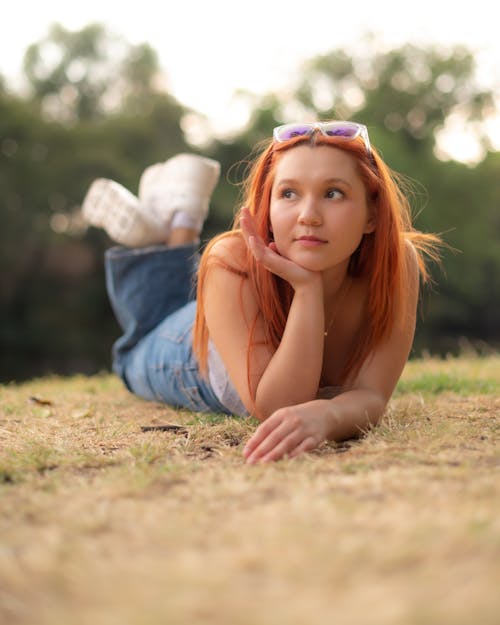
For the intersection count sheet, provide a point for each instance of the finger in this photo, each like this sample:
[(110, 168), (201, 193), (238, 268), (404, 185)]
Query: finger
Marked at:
[(275, 440), (307, 444), (266, 254), (251, 234), (284, 448), (269, 258), (247, 223), (246, 230), (288, 448), (254, 242), (261, 434), (263, 443), (262, 253)]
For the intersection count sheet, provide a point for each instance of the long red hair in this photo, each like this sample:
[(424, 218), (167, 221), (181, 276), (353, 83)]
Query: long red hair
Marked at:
[(381, 257)]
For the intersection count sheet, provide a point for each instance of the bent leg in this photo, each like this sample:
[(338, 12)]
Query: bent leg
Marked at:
[(146, 285), (162, 366)]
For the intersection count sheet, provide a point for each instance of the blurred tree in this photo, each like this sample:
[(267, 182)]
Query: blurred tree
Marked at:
[(85, 74), (406, 97), (98, 108), (53, 308), (410, 91), (235, 155)]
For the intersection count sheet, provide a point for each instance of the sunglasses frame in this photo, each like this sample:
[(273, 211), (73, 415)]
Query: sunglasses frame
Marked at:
[(360, 131)]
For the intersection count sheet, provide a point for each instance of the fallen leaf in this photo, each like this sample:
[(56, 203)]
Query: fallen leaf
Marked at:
[(40, 402), (164, 427)]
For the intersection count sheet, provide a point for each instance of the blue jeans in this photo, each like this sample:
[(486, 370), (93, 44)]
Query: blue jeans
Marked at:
[(152, 292)]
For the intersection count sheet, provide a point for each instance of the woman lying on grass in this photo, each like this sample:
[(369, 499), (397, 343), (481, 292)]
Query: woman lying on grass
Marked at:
[(305, 311)]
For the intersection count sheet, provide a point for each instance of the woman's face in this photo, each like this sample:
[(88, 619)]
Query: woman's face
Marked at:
[(318, 210)]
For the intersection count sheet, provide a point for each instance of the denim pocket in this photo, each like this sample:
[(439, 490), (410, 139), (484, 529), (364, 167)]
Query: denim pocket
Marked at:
[(178, 326), (176, 335), (188, 388), (194, 399)]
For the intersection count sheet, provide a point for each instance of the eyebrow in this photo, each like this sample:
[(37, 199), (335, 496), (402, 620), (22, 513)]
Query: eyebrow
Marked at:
[(286, 181)]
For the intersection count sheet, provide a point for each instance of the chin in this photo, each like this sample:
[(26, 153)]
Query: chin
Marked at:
[(311, 265)]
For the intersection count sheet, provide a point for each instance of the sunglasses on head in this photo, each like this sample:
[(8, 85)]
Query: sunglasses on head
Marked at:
[(347, 131)]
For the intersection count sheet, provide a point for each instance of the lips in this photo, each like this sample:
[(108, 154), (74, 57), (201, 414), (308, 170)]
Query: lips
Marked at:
[(310, 239)]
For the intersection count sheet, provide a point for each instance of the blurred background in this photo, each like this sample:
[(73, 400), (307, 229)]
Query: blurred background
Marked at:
[(86, 102)]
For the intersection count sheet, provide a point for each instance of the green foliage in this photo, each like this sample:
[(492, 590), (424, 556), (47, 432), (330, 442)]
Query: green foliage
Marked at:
[(95, 110), (87, 73), (469, 374), (409, 91), (54, 313), (405, 97), (444, 382)]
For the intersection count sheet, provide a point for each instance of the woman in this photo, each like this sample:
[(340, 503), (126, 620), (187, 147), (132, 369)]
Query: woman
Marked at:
[(305, 311)]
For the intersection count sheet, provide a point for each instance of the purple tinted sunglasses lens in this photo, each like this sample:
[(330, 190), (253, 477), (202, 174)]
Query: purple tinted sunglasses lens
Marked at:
[(294, 131), (342, 131)]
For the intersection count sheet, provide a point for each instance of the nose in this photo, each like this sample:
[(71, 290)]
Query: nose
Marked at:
[(309, 213)]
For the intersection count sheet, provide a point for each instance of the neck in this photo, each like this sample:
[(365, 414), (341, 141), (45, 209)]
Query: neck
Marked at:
[(334, 281), (335, 300)]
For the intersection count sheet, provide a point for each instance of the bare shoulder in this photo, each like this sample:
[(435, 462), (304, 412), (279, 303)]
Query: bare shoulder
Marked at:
[(412, 275), (229, 250), (412, 261), (232, 313), (411, 253), (227, 275)]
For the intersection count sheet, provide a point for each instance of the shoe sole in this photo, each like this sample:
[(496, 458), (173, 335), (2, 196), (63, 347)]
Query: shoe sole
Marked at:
[(110, 206)]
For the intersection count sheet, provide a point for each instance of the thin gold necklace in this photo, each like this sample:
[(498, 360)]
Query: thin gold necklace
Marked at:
[(346, 287)]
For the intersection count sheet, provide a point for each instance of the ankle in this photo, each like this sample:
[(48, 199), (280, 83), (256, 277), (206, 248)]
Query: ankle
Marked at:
[(182, 236), (184, 229)]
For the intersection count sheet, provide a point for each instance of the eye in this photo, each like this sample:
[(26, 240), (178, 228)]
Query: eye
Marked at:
[(334, 194), (288, 194)]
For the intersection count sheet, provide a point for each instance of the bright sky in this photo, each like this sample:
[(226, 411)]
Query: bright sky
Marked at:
[(210, 48)]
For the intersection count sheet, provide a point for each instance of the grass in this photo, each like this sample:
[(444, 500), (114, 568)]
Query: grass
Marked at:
[(103, 523)]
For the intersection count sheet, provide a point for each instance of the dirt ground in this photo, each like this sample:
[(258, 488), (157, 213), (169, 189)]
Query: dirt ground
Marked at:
[(109, 515)]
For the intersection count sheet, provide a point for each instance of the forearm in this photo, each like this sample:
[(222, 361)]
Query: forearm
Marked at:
[(352, 412), (293, 373), (295, 429)]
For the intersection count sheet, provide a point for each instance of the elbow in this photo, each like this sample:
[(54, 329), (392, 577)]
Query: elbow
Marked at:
[(371, 405), (257, 408), (378, 404), (261, 412)]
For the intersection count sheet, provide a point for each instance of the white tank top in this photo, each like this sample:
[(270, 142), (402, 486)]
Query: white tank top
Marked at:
[(222, 385), (226, 393)]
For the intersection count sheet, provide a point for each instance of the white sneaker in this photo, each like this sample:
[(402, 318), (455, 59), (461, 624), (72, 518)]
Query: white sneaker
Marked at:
[(182, 184), (110, 206)]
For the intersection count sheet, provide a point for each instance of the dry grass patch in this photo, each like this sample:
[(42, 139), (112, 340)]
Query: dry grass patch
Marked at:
[(107, 516)]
